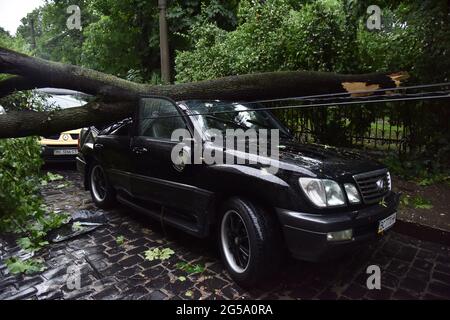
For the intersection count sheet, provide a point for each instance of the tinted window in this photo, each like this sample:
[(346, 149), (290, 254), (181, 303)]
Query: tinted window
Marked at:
[(228, 115), (158, 118)]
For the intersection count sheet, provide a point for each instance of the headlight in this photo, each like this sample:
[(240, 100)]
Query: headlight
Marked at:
[(322, 192), (352, 193)]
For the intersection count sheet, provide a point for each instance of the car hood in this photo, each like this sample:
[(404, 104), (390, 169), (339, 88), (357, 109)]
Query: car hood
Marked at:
[(308, 160), (326, 161)]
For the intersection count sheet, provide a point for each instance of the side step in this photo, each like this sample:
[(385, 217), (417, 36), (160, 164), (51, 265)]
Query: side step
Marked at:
[(181, 224)]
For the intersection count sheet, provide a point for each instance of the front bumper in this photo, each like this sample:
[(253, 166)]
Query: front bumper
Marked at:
[(306, 234), (48, 153)]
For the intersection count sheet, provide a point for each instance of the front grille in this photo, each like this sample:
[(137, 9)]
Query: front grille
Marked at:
[(52, 136), (374, 185)]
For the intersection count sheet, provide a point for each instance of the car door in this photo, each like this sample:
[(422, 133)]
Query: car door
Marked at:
[(157, 179), (114, 153)]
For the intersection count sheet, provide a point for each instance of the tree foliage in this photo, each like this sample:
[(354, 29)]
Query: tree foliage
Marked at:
[(117, 37)]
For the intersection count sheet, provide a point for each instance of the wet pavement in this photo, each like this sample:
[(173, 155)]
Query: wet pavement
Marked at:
[(111, 269)]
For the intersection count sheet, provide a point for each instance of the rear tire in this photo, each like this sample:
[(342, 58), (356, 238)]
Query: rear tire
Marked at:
[(250, 242), (102, 193)]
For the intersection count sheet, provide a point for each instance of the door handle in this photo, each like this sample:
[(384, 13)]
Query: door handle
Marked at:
[(140, 150), (98, 146)]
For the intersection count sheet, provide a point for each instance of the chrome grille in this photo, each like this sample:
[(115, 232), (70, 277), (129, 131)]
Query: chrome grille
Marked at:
[(374, 185)]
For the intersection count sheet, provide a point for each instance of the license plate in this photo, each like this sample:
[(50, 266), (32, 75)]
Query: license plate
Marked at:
[(387, 223), (64, 152)]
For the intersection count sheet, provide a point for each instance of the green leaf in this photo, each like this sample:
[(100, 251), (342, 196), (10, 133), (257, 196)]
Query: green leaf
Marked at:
[(24, 243), (54, 176), (76, 226), (424, 206), (166, 253), (16, 265), (182, 278), (190, 268), (120, 240), (158, 254), (419, 202)]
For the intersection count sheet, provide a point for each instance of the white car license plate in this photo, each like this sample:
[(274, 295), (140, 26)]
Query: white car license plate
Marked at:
[(387, 223), (64, 152)]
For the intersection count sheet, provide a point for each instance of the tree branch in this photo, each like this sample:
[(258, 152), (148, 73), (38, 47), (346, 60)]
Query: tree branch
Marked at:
[(26, 123), (18, 83)]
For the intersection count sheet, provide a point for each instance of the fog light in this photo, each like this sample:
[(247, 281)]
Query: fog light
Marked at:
[(340, 235)]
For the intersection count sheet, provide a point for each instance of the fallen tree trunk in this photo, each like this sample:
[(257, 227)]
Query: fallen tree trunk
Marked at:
[(27, 123), (117, 96)]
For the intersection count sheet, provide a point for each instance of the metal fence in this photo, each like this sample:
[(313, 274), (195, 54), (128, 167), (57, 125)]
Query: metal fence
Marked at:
[(386, 127)]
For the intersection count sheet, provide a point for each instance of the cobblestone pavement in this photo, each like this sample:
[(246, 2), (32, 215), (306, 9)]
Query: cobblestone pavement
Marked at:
[(411, 269)]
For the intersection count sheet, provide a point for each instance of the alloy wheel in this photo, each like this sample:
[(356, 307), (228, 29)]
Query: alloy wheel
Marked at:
[(235, 241), (98, 183)]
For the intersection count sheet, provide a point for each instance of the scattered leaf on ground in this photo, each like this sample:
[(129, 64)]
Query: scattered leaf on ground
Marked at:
[(120, 240), (190, 268), (54, 176), (29, 266), (158, 254), (76, 226)]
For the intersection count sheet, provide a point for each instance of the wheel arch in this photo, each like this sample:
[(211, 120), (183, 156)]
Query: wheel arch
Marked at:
[(222, 198)]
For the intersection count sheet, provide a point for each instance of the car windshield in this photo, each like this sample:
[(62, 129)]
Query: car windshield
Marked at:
[(228, 115), (66, 101)]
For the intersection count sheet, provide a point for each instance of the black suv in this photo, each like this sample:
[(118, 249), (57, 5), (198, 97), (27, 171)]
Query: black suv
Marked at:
[(320, 203)]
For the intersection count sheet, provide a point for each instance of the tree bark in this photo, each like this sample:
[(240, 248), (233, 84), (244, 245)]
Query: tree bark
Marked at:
[(117, 96)]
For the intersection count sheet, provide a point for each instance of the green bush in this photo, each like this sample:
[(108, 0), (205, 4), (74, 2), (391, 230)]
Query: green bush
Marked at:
[(20, 162), (22, 211)]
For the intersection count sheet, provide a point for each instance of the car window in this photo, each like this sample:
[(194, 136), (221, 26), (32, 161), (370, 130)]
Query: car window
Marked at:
[(158, 118), (228, 115)]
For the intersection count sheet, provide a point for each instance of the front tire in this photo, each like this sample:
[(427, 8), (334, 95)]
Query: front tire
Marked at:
[(250, 242), (102, 192)]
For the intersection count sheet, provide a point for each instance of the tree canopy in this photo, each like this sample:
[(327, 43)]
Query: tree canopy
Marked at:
[(214, 38)]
